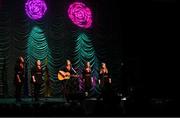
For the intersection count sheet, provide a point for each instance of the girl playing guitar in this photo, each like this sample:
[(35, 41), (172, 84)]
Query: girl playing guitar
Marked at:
[(65, 74)]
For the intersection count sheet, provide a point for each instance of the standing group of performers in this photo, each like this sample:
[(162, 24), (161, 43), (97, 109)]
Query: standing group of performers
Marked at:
[(66, 74), (36, 75)]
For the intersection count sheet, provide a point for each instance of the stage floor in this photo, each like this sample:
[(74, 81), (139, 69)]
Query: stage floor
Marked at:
[(56, 107), (87, 107)]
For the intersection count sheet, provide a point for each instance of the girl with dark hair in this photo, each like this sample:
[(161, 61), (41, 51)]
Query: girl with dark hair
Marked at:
[(19, 77), (87, 79), (37, 80), (105, 82)]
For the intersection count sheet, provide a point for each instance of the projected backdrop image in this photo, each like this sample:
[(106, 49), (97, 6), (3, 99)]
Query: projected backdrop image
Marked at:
[(87, 58), (52, 32)]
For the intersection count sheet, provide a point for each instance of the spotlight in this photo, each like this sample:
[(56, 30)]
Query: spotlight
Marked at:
[(80, 14), (35, 9)]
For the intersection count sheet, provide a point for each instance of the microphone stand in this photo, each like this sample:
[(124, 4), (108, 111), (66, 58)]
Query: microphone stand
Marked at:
[(73, 70)]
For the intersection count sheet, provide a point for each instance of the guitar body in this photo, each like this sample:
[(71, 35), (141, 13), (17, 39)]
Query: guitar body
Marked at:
[(61, 77)]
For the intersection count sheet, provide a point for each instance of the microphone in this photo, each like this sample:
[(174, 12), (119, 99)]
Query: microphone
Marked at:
[(73, 70)]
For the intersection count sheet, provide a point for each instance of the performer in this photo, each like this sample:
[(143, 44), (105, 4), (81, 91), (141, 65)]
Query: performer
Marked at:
[(87, 79), (19, 77), (104, 81), (68, 73), (37, 80)]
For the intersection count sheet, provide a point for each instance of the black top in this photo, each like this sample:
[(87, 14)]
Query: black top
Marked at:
[(104, 77), (87, 76), (37, 73), (69, 84), (19, 71)]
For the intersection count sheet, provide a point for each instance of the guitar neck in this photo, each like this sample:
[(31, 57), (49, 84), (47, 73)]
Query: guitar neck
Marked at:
[(74, 75)]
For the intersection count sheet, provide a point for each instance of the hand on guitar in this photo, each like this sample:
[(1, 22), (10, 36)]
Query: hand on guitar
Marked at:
[(65, 75), (75, 76)]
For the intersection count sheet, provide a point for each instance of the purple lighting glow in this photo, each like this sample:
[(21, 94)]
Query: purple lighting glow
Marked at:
[(35, 9), (80, 14), (0, 3)]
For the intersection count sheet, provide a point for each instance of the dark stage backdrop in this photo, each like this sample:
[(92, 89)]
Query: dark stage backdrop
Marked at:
[(53, 40), (161, 53)]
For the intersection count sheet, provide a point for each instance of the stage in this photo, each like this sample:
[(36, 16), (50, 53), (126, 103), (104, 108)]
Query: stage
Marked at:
[(56, 107), (134, 41), (88, 107)]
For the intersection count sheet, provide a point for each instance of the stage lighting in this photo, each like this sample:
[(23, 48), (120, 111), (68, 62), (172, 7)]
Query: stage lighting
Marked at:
[(35, 9), (0, 3), (80, 14)]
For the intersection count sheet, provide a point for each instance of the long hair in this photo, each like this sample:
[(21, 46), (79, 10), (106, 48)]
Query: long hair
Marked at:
[(18, 61), (87, 66), (101, 69)]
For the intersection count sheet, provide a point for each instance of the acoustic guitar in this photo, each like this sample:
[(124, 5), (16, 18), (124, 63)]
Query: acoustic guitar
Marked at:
[(65, 75)]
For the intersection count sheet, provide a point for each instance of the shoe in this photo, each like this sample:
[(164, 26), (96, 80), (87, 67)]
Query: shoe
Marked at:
[(86, 94)]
